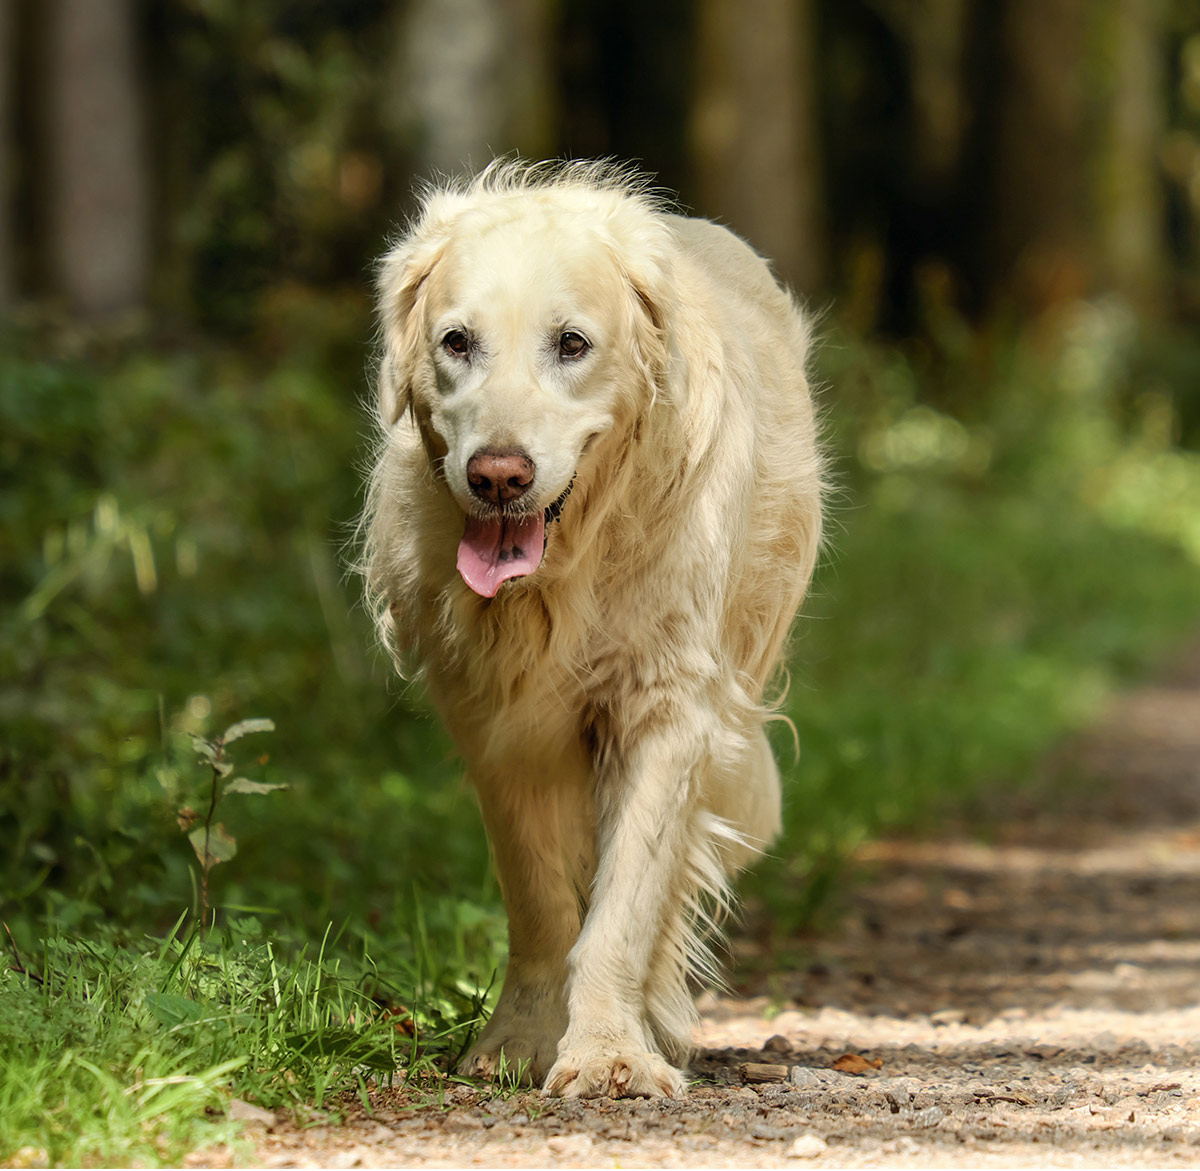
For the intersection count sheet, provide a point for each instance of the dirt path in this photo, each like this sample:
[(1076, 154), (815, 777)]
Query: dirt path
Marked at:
[(1032, 1001)]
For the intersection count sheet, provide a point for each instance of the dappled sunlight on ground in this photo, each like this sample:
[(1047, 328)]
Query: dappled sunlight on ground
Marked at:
[(1030, 999)]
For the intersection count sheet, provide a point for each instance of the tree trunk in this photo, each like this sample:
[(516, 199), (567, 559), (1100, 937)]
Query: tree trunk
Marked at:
[(1129, 212), (471, 79), (98, 199), (1039, 239), (934, 32), (754, 134), (8, 63)]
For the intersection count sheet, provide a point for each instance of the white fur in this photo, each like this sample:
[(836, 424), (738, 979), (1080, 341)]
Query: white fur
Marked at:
[(609, 706)]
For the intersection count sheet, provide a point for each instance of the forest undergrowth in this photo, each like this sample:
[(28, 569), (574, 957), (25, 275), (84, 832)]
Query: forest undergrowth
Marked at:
[(194, 918)]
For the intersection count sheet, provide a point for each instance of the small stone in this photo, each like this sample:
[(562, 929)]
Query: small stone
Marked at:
[(807, 1146), (1043, 1051), (804, 1077), (240, 1111), (771, 1093), (948, 1016), (570, 1146), (29, 1157), (897, 1092), (777, 1044)]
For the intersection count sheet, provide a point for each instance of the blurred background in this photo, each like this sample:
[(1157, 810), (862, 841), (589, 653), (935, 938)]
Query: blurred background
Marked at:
[(204, 161), (994, 207)]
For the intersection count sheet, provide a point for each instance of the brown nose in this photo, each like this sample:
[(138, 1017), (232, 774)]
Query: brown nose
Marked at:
[(500, 476)]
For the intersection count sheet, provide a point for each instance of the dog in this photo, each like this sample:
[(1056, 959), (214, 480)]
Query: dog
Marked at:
[(594, 512)]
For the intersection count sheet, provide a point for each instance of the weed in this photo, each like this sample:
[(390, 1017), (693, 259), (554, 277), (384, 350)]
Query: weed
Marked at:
[(213, 843)]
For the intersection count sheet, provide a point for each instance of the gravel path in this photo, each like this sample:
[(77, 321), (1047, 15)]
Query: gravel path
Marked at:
[(1030, 1001)]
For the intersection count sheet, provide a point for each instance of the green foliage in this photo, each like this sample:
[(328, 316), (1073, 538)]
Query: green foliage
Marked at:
[(278, 179), (992, 575), (214, 843), (172, 532), (126, 1050), (1014, 532), (173, 529)]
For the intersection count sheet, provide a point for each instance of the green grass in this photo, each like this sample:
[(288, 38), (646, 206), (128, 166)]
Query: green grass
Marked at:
[(118, 1048), (1013, 535)]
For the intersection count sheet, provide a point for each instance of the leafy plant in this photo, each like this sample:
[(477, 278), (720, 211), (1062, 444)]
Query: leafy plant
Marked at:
[(214, 843)]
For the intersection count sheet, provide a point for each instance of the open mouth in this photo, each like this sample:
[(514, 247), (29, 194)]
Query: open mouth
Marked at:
[(504, 545)]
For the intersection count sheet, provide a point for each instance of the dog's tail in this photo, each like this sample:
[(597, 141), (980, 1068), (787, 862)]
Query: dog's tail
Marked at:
[(684, 954)]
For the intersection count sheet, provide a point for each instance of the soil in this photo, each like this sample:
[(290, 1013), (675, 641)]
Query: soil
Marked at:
[(1028, 999)]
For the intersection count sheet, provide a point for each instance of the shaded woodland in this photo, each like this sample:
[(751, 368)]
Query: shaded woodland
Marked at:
[(995, 208), (198, 160)]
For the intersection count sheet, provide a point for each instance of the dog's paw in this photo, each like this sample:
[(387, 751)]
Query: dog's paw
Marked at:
[(512, 1061), (624, 1075)]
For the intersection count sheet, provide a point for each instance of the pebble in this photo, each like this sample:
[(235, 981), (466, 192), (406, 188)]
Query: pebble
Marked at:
[(948, 1016), (1043, 1051), (898, 1091), (804, 1078), (29, 1157), (240, 1111), (807, 1146), (771, 1093)]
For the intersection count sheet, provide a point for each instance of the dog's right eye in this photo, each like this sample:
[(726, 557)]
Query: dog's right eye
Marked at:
[(457, 344)]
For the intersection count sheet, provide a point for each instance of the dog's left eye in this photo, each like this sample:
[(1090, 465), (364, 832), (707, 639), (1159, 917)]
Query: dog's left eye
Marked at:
[(457, 343), (572, 344)]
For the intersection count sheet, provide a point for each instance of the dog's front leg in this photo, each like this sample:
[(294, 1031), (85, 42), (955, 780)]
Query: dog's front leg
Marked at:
[(542, 839), (647, 801)]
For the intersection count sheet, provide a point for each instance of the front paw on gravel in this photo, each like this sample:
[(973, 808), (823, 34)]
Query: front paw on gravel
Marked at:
[(638, 1075)]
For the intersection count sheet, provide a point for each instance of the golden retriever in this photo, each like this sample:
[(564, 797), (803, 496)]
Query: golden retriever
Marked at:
[(595, 509)]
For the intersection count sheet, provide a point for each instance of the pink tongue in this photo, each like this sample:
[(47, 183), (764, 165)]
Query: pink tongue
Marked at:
[(492, 551)]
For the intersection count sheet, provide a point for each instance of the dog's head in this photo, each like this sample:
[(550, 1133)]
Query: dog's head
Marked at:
[(524, 322)]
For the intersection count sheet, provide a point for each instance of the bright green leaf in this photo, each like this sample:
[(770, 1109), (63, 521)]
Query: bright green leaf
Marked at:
[(171, 1009)]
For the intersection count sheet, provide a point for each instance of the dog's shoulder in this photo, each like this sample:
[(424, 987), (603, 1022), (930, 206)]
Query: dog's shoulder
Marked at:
[(728, 261)]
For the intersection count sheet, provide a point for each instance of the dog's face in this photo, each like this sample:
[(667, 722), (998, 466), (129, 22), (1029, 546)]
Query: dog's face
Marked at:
[(516, 338)]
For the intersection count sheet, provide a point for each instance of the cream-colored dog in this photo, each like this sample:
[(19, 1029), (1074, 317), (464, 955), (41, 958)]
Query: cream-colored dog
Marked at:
[(595, 510)]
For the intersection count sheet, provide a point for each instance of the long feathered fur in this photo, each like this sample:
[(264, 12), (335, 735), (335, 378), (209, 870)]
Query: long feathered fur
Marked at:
[(661, 609)]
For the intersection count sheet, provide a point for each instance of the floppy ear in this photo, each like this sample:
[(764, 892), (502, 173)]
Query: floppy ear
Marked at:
[(403, 272), (643, 246), (652, 315), (402, 275)]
